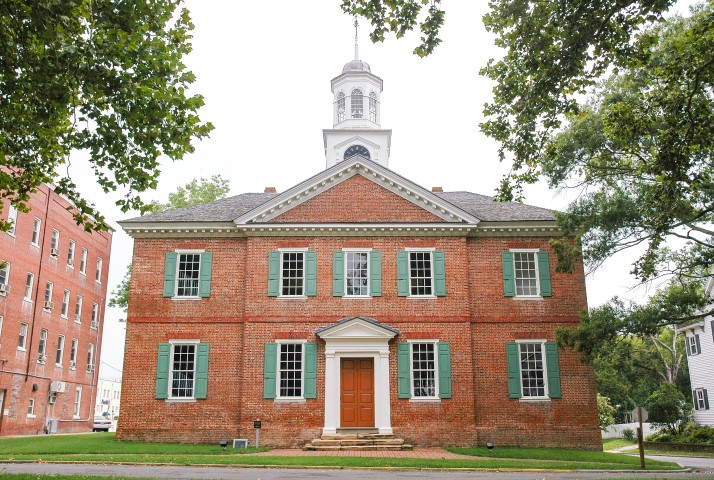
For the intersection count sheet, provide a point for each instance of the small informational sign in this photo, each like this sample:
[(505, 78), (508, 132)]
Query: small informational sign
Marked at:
[(636, 414), (256, 424), (6, 412)]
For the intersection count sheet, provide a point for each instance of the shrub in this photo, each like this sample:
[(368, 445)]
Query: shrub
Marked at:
[(694, 434), (628, 434), (668, 409)]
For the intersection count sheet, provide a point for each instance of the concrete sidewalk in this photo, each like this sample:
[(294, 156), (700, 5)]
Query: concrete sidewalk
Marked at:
[(428, 453)]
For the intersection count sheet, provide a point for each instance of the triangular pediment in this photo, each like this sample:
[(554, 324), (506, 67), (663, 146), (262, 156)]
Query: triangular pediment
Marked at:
[(433, 209), (357, 328)]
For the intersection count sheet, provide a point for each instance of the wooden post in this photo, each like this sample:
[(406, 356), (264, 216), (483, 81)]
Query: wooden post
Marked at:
[(639, 438)]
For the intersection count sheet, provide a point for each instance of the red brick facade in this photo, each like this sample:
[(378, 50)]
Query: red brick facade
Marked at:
[(239, 318), (24, 376)]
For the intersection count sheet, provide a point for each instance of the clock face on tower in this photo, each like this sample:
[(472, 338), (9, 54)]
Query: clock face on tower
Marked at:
[(353, 150)]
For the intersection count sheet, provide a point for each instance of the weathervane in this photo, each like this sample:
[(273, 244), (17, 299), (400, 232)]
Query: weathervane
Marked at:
[(356, 24)]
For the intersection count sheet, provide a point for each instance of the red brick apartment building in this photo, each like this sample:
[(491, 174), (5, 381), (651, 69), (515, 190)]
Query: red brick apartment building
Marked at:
[(356, 299), (53, 288)]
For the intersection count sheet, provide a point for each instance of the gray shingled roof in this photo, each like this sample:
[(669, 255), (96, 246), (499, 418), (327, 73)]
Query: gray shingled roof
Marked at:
[(484, 208), (228, 209)]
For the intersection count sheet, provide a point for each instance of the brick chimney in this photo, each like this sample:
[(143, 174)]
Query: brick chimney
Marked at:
[(437, 189), (270, 190)]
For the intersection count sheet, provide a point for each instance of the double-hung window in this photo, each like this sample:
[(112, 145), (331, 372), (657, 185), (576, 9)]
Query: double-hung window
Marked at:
[(12, 219), (98, 274), (526, 274), (22, 338), (90, 358), (95, 316), (65, 304), (77, 402), (533, 370), (78, 309), (182, 370), (73, 354), (424, 369), (31, 408), (693, 344), (36, 232), (187, 274), (49, 288), (83, 262), (60, 351), (42, 347), (70, 253), (701, 399), (28, 285), (54, 243), (290, 370), (292, 273), (4, 277), (357, 273), (421, 273)]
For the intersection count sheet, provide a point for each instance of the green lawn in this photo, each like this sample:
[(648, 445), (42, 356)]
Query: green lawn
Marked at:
[(103, 448), (614, 443)]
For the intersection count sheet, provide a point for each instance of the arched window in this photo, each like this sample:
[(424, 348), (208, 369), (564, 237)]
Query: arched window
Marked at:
[(357, 103), (340, 107), (373, 106)]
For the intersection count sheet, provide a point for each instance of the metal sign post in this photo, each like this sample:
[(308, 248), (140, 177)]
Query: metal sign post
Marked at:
[(639, 414), (257, 426)]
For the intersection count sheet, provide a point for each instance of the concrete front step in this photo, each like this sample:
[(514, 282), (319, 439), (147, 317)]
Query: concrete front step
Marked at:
[(346, 442), (361, 448), (358, 441)]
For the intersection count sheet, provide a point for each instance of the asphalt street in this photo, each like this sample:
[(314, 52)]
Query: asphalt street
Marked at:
[(219, 473)]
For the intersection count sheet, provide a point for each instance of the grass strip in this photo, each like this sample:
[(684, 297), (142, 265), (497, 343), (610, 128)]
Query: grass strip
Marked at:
[(560, 454)]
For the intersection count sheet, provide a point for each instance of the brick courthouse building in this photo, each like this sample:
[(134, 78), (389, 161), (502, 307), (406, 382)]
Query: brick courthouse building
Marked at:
[(355, 299)]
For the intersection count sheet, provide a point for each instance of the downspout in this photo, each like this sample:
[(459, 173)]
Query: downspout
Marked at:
[(37, 284)]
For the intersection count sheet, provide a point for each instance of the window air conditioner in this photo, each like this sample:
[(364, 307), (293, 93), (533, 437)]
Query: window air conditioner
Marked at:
[(57, 387), (72, 365), (41, 358), (90, 368), (54, 252), (4, 288), (49, 305), (52, 398)]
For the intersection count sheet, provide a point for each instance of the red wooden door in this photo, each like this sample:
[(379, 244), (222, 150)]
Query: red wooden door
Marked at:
[(356, 392)]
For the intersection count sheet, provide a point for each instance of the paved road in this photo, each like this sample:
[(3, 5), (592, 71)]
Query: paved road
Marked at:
[(220, 473)]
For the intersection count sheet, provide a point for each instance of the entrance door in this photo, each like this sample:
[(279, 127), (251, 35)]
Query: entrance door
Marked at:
[(357, 392)]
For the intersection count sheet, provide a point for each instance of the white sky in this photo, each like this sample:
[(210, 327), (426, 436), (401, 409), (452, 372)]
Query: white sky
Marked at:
[(264, 69)]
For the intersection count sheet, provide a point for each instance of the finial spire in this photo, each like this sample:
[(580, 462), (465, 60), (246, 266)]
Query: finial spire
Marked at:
[(356, 24)]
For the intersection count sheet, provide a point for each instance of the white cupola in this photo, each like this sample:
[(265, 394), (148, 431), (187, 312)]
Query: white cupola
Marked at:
[(356, 115)]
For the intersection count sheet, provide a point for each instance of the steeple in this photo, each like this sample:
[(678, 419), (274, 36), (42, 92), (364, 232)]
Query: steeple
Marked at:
[(356, 114)]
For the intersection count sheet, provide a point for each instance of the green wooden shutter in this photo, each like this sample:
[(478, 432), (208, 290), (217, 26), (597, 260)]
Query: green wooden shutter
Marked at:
[(311, 273), (444, 349), (544, 274), (201, 388), (162, 371), (509, 280), (310, 370), (170, 274), (270, 370), (338, 274), (403, 273), (439, 274), (403, 371), (513, 362), (274, 274), (551, 359), (204, 286), (375, 273)]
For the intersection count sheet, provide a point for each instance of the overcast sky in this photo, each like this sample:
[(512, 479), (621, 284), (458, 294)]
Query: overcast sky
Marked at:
[(264, 69)]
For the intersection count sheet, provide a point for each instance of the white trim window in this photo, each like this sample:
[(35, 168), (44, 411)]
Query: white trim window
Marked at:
[(357, 103), (357, 273), (22, 337), (421, 273), (49, 288), (54, 243), (182, 370), (693, 344), (95, 316), (1, 320), (42, 347), (340, 107), (424, 369), (90, 357), (188, 274), (4, 276), (373, 106), (73, 354), (60, 351), (292, 273), (77, 402), (36, 232), (98, 274), (12, 219), (31, 408), (65, 304), (701, 402), (29, 283), (70, 253), (78, 309), (525, 271), (83, 262), (534, 380), (291, 369)]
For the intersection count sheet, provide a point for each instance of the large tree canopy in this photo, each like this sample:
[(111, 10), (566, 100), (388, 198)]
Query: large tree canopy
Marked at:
[(100, 76)]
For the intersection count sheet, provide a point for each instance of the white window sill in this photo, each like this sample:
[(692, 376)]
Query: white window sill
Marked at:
[(30, 415), (527, 297), (421, 296), (75, 417), (184, 298), (69, 265), (425, 400), (47, 310), (84, 274), (73, 368), (36, 245), (21, 349), (3, 294), (289, 400), (58, 365), (357, 297), (293, 297), (534, 399), (40, 362), (64, 316), (180, 400), (26, 299), (11, 234)]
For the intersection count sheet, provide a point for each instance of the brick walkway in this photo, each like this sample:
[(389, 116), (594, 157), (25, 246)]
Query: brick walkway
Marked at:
[(430, 453)]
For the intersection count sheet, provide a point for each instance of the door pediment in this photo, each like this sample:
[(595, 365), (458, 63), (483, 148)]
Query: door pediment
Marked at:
[(357, 328)]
